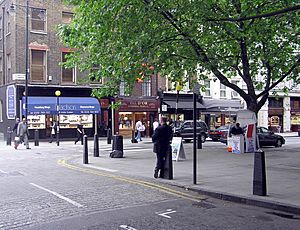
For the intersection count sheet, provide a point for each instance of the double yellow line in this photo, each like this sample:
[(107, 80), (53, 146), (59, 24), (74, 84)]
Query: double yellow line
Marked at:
[(167, 190)]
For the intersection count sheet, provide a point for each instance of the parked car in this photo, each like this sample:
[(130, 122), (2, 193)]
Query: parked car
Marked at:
[(186, 130), (265, 137), (216, 134)]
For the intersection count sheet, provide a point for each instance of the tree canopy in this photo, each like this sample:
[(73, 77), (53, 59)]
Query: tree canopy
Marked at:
[(257, 40)]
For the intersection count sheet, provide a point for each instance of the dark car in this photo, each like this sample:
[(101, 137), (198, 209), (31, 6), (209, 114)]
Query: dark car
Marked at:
[(265, 137), (186, 130), (216, 134)]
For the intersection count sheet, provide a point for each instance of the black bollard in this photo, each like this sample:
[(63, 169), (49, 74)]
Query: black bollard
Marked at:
[(117, 147), (36, 137), (85, 150), (8, 139), (133, 140), (108, 136), (199, 141), (168, 167), (259, 174), (96, 146)]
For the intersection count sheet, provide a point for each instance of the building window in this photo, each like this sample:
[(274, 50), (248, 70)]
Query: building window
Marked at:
[(122, 88), (275, 102), (38, 65), (67, 17), (222, 91), (38, 19), (94, 76), (207, 88), (234, 94), (146, 87), (67, 74), (8, 27)]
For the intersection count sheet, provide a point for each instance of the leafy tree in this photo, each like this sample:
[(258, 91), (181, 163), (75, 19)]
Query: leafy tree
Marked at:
[(257, 40)]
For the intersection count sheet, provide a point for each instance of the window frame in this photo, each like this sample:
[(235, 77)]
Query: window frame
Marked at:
[(34, 19), (146, 87), (45, 62), (62, 70)]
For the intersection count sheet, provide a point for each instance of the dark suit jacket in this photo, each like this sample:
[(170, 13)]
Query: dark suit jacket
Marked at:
[(162, 138)]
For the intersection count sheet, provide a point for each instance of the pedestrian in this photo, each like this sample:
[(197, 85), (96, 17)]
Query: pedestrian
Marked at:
[(80, 133), (16, 138), (53, 131), (155, 124), (23, 133), (162, 139), (138, 127), (236, 129)]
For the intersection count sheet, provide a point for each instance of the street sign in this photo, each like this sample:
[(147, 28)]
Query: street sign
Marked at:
[(11, 102), (18, 76), (164, 108)]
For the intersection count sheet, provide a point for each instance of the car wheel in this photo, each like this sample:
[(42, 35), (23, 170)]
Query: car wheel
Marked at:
[(278, 143), (203, 138)]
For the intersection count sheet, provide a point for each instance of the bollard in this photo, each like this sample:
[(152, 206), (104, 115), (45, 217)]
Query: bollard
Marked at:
[(8, 139), (57, 136), (259, 174), (133, 140), (96, 146), (85, 150), (199, 141), (168, 167), (108, 136), (117, 147), (36, 137)]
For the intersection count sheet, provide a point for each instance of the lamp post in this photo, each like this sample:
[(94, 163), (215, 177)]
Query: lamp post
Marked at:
[(178, 88), (57, 94)]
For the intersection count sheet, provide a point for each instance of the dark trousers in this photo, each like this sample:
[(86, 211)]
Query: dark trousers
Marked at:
[(160, 163), (79, 137)]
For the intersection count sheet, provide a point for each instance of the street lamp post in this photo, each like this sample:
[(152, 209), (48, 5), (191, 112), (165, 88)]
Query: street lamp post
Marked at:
[(178, 88), (57, 94)]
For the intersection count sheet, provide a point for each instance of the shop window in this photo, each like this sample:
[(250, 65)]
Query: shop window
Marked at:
[(67, 74), (38, 19), (67, 17), (275, 102), (38, 65), (295, 104), (146, 87), (222, 91), (207, 88)]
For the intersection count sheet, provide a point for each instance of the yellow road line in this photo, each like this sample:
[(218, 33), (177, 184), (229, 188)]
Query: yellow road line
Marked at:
[(167, 190)]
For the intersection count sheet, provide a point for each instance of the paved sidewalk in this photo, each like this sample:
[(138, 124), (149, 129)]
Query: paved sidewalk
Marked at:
[(219, 173)]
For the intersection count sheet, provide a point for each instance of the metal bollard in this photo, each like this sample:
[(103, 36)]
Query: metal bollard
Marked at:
[(199, 141), (8, 139), (96, 146), (85, 150), (168, 167), (108, 136), (36, 137), (259, 174)]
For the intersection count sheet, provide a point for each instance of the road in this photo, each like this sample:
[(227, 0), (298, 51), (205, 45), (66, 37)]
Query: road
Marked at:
[(39, 190)]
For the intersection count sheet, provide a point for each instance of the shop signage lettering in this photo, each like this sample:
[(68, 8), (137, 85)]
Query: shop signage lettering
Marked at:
[(11, 102)]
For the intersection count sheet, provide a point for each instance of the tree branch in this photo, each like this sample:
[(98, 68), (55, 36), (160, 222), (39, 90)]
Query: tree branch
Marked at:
[(265, 15)]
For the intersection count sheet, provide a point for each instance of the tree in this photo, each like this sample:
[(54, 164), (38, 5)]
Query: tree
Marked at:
[(257, 40)]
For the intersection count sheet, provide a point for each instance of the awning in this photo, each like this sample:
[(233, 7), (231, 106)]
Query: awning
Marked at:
[(186, 104), (67, 105), (216, 105)]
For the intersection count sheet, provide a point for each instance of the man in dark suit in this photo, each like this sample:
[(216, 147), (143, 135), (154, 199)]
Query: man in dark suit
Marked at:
[(162, 138)]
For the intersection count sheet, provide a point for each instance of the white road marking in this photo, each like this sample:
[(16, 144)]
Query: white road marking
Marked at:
[(127, 227), (164, 214), (100, 168), (58, 195), (3, 171)]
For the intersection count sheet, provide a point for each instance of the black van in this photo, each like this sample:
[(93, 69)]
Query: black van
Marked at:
[(186, 130)]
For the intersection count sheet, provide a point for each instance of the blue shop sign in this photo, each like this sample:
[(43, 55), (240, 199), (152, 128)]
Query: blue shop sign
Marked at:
[(11, 102), (62, 105)]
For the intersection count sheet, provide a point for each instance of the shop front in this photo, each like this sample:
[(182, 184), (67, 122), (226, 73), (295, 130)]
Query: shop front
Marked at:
[(133, 109), (295, 114), (275, 114), (69, 111)]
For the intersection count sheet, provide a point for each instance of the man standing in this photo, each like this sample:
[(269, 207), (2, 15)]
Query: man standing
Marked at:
[(155, 125), (23, 133), (162, 138), (138, 127), (236, 129)]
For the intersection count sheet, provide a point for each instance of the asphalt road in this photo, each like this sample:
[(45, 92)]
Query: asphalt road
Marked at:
[(37, 192)]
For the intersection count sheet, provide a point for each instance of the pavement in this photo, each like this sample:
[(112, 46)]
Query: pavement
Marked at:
[(220, 174)]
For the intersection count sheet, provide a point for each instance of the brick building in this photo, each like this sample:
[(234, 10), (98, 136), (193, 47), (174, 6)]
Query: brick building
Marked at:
[(46, 75)]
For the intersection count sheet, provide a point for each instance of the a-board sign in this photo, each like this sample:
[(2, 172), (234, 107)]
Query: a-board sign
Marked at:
[(177, 149)]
